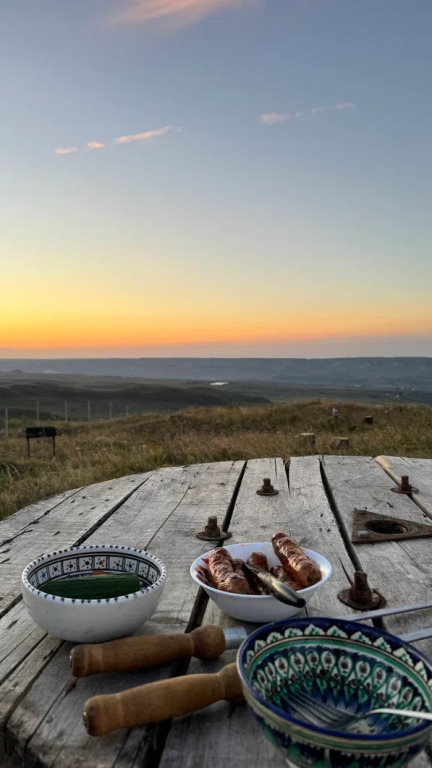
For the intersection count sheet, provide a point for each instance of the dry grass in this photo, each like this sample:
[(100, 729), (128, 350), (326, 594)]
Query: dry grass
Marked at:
[(89, 453)]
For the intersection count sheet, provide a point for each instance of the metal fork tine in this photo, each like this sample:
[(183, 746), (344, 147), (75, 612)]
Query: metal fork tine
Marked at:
[(327, 711), (318, 713), (310, 706), (305, 714), (330, 708)]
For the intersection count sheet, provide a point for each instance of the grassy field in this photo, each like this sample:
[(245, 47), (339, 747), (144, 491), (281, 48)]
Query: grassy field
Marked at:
[(91, 452)]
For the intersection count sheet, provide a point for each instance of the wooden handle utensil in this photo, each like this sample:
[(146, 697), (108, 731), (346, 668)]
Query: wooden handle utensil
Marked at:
[(159, 701), (146, 651)]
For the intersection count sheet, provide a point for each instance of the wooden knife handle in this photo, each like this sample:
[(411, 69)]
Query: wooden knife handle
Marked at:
[(159, 701), (146, 651)]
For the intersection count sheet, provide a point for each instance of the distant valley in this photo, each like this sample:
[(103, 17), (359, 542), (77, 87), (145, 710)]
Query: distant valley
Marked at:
[(88, 389), (347, 371)]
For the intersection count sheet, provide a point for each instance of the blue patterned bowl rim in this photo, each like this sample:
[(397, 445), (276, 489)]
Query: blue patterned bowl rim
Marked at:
[(325, 623), (46, 557)]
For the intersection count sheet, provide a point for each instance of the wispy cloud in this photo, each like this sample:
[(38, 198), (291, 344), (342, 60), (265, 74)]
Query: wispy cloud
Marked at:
[(146, 136), (91, 145), (342, 105), (179, 11), (272, 118), (65, 150)]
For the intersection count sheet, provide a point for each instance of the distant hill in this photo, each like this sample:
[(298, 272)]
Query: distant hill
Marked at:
[(101, 397), (359, 372)]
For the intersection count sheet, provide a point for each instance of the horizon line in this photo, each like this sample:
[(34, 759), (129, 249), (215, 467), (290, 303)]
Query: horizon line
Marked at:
[(221, 357)]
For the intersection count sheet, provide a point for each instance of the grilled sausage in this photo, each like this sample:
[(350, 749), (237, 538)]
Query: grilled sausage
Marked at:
[(225, 574), (258, 560), (283, 575), (294, 560)]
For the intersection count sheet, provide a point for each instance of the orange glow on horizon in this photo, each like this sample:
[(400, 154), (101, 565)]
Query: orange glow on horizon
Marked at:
[(44, 336), (103, 324)]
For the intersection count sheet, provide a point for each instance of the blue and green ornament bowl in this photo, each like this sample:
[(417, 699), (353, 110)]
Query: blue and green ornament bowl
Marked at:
[(350, 666)]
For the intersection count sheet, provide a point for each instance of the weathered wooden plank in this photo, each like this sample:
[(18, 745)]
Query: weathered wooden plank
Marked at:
[(27, 649), (12, 526), (399, 569), (55, 710), (419, 472), (163, 516), (17, 683), (207, 737), (18, 636), (24, 648), (313, 524), (65, 524), (214, 736), (24, 651), (126, 531), (423, 760)]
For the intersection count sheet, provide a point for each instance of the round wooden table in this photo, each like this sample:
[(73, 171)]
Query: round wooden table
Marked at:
[(162, 511)]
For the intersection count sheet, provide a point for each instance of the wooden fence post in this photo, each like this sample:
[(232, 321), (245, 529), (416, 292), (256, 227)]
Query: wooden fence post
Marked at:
[(306, 438)]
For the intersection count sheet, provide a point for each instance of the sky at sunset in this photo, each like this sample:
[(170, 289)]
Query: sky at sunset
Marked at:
[(215, 177)]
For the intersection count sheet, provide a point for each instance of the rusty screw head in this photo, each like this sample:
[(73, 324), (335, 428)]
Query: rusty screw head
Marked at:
[(404, 486), (212, 532), (267, 488), (360, 595)]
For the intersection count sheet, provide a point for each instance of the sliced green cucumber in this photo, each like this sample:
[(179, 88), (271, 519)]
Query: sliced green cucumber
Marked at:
[(93, 587)]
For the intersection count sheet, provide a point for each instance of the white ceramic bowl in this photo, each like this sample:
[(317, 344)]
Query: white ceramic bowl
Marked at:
[(259, 609), (92, 621)]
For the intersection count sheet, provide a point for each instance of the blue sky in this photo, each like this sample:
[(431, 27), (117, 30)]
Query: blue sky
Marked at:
[(264, 179)]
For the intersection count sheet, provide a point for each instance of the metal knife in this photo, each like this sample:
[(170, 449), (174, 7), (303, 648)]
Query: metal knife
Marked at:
[(278, 589)]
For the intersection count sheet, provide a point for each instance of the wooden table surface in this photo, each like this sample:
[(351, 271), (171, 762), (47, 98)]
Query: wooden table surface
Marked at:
[(161, 511)]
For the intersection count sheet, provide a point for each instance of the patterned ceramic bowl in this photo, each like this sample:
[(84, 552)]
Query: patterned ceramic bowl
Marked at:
[(92, 621), (351, 666)]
